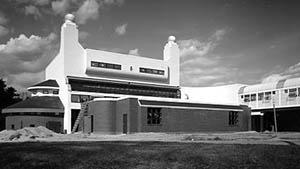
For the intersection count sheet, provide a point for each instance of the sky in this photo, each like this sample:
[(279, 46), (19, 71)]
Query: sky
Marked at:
[(221, 41)]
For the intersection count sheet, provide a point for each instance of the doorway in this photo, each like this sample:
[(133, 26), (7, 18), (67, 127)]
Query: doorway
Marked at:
[(125, 123)]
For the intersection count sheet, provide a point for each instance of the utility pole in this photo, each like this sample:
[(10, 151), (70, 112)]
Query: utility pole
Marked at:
[(274, 112)]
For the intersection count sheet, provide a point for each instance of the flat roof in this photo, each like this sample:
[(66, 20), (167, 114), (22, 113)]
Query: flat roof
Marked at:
[(188, 105)]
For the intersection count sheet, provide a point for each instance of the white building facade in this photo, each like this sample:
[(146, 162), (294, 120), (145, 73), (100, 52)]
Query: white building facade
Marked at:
[(83, 74)]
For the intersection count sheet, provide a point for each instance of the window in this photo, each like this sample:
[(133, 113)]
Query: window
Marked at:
[(152, 71), (293, 92), (298, 92), (286, 91), (233, 118), (45, 91), (253, 97), (31, 125), (153, 116), (34, 91), (55, 92), (274, 92), (247, 98), (260, 96), (76, 98), (268, 96), (242, 96), (106, 65), (12, 126)]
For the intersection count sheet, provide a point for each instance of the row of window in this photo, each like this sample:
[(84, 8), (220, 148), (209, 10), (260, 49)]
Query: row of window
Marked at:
[(106, 65), (268, 95), (292, 92), (152, 71), (119, 67), (154, 117), (45, 91), (128, 89), (76, 98)]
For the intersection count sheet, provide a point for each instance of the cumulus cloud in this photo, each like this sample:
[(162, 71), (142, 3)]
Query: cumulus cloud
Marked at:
[(32, 10), (88, 10), (121, 29), (60, 6), (290, 72), (199, 66), (26, 57), (134, 52), (3, 31), (3, 19)]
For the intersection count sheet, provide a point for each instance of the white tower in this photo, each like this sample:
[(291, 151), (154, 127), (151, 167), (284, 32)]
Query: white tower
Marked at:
[(171, 55)]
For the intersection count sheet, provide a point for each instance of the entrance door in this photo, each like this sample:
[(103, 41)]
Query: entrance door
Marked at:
[(125, 123), (74, 115)]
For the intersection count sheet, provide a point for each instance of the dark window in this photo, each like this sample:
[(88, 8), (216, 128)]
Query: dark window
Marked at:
[(94, 64), (267, 95), (12, 126), (233, 118), (154, 116), (260, 96), (253, 97), (55, 92), (286, 91), (274, 92), (76, 98), (242, 96), (45, 91), (105, 65), (247, 98), (298, 92), (152, 71), (31, 125), (34, 91), (293, 92)]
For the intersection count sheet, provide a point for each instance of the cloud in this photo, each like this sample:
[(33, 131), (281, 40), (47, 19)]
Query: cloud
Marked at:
[(60, 7), (3, 19), (114, 2), (121, 30), (32, 10), (26, 79), (26, 57), (3, 31), (88, 10), (199, 66), (290, 72), (134, 52), (83, 35)]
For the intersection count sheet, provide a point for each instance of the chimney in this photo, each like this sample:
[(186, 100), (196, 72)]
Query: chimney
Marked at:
[(171, 56)]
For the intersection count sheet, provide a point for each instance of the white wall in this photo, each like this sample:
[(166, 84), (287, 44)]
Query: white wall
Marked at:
[(217, 95)]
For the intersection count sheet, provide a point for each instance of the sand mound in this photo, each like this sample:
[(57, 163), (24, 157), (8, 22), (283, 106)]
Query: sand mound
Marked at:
[(27, 133)]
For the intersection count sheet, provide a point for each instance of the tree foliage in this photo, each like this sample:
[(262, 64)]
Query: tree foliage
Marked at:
[(8, 96)]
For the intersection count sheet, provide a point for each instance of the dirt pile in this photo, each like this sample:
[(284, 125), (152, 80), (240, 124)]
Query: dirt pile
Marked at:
[(27, 133)]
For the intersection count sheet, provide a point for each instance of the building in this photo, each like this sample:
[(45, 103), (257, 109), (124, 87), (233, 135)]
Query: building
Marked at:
[(117, 80), (282, 96), (43, 109), (131, 115)]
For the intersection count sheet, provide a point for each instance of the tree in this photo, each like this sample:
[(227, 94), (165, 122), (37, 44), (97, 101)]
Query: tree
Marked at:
[(8, 96)]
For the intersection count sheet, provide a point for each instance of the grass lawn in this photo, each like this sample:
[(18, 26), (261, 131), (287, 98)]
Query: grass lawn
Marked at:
[(33, 155)]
